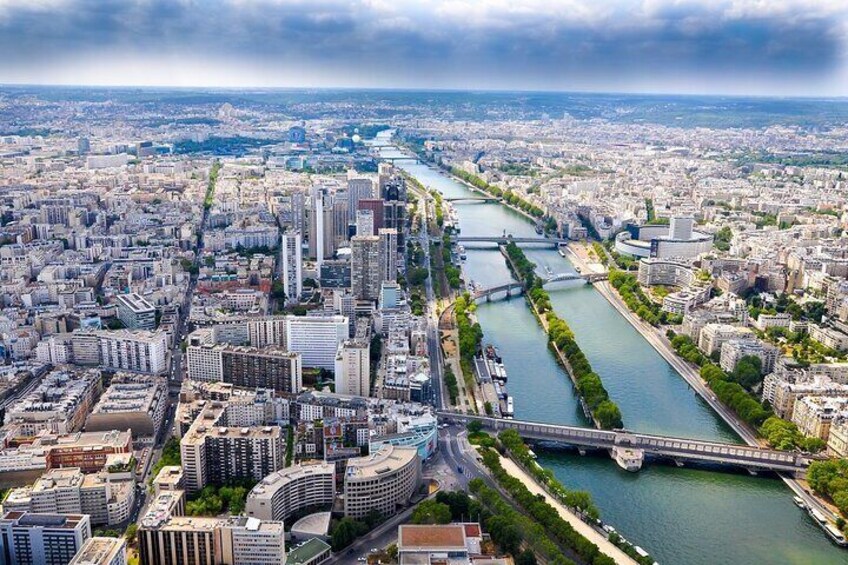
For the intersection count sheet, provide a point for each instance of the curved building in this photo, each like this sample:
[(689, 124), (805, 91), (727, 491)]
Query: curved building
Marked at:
[(288, 491), (382, 481), (678, 239)]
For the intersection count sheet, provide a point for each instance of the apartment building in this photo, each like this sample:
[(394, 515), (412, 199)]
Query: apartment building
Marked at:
[(291, 491), (383, 481), (28, 538), (135, 402), (102, 551)]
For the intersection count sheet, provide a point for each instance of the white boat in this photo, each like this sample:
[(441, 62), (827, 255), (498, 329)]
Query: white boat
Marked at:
[(799, 502), (834, 534), (628, 458), (818, 516)]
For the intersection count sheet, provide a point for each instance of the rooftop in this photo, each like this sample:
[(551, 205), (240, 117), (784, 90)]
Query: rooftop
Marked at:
[(307, 552)]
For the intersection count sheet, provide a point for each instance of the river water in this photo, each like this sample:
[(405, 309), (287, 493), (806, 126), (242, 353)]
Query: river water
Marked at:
[(680, 515)]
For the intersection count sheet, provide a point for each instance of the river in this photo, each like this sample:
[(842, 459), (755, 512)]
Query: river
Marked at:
[(685, 516)]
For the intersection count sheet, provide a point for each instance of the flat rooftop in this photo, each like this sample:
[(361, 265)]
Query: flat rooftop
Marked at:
[(431, 537)]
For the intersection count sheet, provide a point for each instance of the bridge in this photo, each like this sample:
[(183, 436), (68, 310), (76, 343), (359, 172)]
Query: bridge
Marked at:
[(753, 459), (504, 239), (483, 199), (509, 288)]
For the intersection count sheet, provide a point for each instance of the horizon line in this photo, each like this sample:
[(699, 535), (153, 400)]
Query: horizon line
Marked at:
[(836, 97)]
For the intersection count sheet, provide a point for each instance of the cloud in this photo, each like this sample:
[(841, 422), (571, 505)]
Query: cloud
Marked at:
[(756, 46)]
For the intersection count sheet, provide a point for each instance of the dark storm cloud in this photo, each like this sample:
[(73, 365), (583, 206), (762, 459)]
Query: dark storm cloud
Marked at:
[(517, 44)]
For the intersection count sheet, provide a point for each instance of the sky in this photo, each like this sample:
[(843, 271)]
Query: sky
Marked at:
[(760, 47)]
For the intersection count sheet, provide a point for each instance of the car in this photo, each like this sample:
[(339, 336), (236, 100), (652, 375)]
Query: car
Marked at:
[(362, 559), (374, 550)]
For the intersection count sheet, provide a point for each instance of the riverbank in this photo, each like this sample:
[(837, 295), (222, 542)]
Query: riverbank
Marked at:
[(581, 527), (692, 377)]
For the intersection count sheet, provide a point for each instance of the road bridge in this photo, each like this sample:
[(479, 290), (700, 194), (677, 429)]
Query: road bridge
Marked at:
[(505, 239), (518, 288), (753, 459), (483, 199)]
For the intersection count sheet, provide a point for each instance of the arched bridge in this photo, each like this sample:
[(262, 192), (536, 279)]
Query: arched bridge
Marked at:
[(512, 287), (677, 449)]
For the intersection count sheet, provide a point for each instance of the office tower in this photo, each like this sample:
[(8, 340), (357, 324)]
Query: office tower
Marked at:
[(366, 270), (83, 146), (291, 211), (364, 222), (144, 149), (680, 227), (136, 312), (353, 368), (340, 213), (358, 189), (316, 338), (316, 225), (394, 217), (292, 261), (376, 206), (42, 539), (249, 541), (388, 254)]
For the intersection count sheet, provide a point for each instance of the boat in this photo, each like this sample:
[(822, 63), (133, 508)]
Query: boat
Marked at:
[(818, 516), (628, 458), (510, 408), (531, 453), (835, 534), (799, 502)]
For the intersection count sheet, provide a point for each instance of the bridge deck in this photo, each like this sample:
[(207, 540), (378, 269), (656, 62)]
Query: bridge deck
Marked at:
[(671, 447)]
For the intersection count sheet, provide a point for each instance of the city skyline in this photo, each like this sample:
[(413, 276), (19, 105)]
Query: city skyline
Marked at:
[(793, 48)]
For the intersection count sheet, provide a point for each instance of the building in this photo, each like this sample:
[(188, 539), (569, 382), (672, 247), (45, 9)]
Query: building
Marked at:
[(312, 552), (366, 267), (249, 541), (212, 452), (136, 402), (383, 481), (837, 442), (42, 539), (814, 414), (316, 338), (358, 189), (713, 336), (291, 491), (89, 451), (420, 544), (676, 240), (388, 254), (766, 321), (829, 337), (135, 312), (353, 368), (166, 537), (335, 273), (364, 222), (134, 350), (734, 350), (782, 389), (270, 367), (58, 405), (106, 497), (376, 207), (292, 261), (102, 551)]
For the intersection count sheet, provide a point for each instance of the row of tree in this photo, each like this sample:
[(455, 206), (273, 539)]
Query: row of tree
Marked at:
[(560, 336), (639, 303), (508, 195), (543, 513)]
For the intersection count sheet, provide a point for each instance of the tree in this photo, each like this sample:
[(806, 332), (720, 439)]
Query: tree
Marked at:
[(526, 557), (431, 512), (346, 530), (131, 533), (474, 426)]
